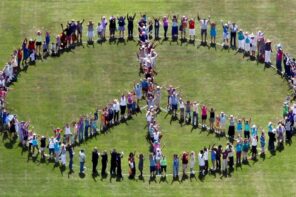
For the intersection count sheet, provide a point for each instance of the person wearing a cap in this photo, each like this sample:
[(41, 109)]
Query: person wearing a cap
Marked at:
[(268, 50), (247, 42), (279, 58), (82, 158), (225, 28)]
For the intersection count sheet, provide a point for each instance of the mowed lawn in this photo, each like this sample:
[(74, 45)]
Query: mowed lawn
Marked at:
[(58, 90)]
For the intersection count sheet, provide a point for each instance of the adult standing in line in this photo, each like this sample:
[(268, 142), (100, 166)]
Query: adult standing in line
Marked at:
[(82, 159), (203, 28), (268, 51), (95, 160), (130, 25), (71, 155), (233, 30), (104, 161), (113, 162), (279, 59)]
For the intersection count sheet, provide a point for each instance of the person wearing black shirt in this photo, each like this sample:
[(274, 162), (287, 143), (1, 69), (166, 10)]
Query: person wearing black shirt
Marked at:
[(130, 25), (156, 27), (71, 155), (42, 146), (271, 135), (113, 162), (118, 164), (95, 159), (104, 163), (112, 26)]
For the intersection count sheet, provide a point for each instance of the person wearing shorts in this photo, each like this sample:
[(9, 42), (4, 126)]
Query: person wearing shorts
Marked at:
[(225, 34), (38, 43), (191, 25), (213, 33), (123, 104), (184, 163), (121, 26), (204, 111), (152, 165), (183, 27)]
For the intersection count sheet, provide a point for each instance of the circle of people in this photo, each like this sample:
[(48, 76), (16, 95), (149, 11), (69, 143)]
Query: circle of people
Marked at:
[(242, 135)]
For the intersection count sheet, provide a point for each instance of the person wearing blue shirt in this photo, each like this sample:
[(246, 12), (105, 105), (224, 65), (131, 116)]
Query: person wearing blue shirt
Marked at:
[(262, 142), (174, 104), (238, 149)]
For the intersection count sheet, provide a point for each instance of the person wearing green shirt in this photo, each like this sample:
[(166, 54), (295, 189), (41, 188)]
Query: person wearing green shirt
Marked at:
[(163, 165)]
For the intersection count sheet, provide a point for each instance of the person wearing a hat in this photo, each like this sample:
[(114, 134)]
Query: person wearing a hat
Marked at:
[(82, 158), (253, 46), (247, 42), (279, 58), (268, 50), (225, 28)]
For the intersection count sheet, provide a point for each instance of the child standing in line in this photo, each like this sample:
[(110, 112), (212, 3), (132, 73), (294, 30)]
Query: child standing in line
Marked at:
[(213, 33), (175, 167), (163, 166), (192, 163), (262, 142)]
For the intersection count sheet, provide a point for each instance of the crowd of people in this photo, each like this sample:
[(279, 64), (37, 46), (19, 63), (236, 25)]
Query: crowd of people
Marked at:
[(243, 136)]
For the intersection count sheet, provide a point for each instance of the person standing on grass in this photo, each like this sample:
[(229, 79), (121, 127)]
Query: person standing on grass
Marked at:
[(279, 58), (82, 159), (192, 163), (204, 111), (95, 160), (231, 128), (51, 146), (42, 147), (152, 165), (268, 50), (218, 158), (103, 26), (224, 165), (163, 166), (239, 128), (213, 33), (130, 25), (175, 27), (203, 28), (63, 155), (262, 143), (90, 32), (223, 119), (191, 24), (112, 27), (175, 167), (71, 155), (213, 158), (141, 164), (233, 30), (79, 29), (104, 161), (247, 128), (123, 104), (225, 28), (156, 28), (245, 148), (195, 114), (113, 162), (165, 22), (121, 26), (241, 40), (212, 119), (206, 157), (230, 158), (201, 161), (184, 163), (38, 43), (238, 150)]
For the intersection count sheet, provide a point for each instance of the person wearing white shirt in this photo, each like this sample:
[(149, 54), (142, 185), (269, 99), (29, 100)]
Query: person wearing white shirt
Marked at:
[(68, 133), (254, 146), (116, 109), (201, 161), (122, 104)]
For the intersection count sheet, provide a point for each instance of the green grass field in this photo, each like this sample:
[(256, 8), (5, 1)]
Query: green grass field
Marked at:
[(58, 90)]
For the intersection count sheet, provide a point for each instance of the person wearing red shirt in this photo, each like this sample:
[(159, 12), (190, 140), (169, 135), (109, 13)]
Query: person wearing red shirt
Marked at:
[(191, 29)]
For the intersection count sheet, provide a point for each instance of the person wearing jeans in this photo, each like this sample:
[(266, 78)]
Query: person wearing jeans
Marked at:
[(82, 158)]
